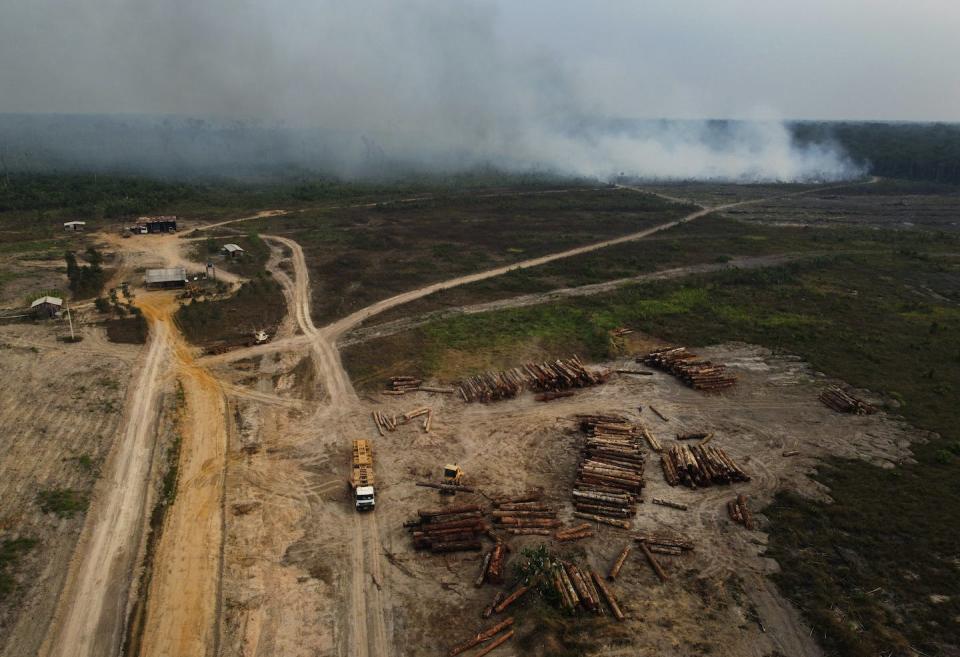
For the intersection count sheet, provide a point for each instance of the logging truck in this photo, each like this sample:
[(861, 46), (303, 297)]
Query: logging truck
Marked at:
[(361, 475)]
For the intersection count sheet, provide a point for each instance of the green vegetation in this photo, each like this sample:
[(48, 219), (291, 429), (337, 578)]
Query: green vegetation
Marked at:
[(11, 550), (87, 280), (258, 304), (64, 502), (358, 255), (128, 330), (713, 239), (921, 151)]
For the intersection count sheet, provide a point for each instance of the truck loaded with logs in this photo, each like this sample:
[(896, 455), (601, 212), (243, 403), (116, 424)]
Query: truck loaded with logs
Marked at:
[(361, 475)]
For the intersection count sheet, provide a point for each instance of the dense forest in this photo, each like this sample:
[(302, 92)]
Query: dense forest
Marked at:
[(917, 151)]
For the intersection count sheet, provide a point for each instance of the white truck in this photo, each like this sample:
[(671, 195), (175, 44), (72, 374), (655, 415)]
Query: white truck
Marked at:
[(361, 475)]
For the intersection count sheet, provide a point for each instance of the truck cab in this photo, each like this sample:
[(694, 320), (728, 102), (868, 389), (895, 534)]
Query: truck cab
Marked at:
[(364, 497)]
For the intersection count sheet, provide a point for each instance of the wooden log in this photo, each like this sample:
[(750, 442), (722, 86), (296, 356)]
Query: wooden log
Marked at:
[(484, 564), (618, 564), (450, 510), (376, 420), (447, 487), (580, 586), (456, 546), (607, 596), (528, 531), (495, 644), (594, 593), (574, 537), (532, 496), (672, 505), (480, 637), (521, 513), (513, 597), (658, 413), (568, 585), (495, 568), (623, 524), (574, 530), (657, 568), (439, 391), (529, 522), (497, 599)]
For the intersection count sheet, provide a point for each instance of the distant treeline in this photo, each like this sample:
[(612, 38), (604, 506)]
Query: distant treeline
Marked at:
[(916, 151)]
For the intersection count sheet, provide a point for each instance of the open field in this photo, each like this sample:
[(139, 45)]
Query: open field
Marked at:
[(359, 255), (61, 408), (227, 471)]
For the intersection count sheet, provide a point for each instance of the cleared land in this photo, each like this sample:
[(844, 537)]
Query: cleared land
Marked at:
[(262, 525)]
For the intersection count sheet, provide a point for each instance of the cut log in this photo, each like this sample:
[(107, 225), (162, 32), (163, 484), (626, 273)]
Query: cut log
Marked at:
[(672, 505), (450, 510), (480, 637), (484, 564), (654, 563), (623, 524), (497, 599), (618, 564), (496, 643), (513, 597), (607, 596), (456, 488)]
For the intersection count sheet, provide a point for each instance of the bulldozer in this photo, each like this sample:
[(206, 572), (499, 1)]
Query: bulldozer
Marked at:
[(452, 476)]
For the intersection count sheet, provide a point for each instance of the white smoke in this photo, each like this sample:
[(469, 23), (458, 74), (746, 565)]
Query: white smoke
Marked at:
[(428, 84)]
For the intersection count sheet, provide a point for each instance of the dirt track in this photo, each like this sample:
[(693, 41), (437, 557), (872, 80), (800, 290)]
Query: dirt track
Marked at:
[(92, 606)]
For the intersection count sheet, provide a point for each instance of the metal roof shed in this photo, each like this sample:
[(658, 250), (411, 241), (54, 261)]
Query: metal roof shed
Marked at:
[(172, 277)]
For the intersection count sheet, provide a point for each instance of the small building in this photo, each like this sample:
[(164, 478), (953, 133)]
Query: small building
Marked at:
[(74, 226), (232, 250), (166, 278), (46, 306), (167, 224)]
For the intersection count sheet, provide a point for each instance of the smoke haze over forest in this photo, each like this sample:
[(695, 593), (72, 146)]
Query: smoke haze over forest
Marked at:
[(357, 88)]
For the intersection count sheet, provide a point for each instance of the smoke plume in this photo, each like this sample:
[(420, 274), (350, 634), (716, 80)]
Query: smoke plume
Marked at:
[(353, 89)]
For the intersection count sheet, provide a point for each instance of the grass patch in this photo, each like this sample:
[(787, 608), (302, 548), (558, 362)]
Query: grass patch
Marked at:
[(258, 304), (128, 330), (11, 551), (64, 502)]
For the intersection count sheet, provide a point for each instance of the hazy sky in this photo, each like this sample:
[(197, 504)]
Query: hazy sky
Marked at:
[(873, 59), (500, 81)]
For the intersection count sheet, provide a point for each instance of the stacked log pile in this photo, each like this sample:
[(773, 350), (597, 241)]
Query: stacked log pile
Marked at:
[(450, 529), (582, 589), (698, 374), (493, 565), (610, 475), (550, 377), (699, 465), (740, 512), (400, 385), (843, 402), (526, 518)]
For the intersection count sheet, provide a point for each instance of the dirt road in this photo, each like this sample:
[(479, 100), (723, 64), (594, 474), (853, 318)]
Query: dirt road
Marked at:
[(365, 333), (90, 613), (182, 603)]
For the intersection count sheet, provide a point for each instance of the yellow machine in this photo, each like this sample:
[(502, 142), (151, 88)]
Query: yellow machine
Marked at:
[(452, 476)]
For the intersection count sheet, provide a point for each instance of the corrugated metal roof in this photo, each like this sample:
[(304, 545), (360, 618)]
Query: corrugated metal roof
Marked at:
[(231, 248), (56, 301), (174, 274)]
